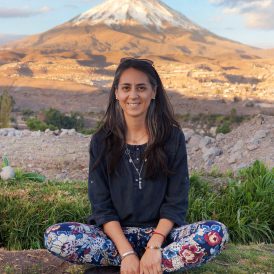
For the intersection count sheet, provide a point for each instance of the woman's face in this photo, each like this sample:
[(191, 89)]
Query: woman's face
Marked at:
[(134, 93)]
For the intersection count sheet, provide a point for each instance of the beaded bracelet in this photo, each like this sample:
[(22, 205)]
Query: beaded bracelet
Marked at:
[(156, 232), (132, 252), (154, 247)]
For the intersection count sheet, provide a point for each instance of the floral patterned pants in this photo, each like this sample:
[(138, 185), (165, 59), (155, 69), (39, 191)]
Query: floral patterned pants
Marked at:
[(185, 247)]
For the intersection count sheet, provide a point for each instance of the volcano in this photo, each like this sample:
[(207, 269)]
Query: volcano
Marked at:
[(133, 28)]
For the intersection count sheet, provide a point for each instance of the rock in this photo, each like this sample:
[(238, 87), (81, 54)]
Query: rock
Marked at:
[(209, 163), (220, 137), (232, 159), (201, 131), (71, 131), (63, 133), (260, 134), (36, 133), (211, 153), (49, 132), (10, 134), (252, 146), (188, 133), (206, 141), (238, 146), (213, 130), (7, 173), (194, 142)]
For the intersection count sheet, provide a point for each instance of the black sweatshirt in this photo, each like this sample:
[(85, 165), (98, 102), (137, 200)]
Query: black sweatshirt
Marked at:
[(117, 197)]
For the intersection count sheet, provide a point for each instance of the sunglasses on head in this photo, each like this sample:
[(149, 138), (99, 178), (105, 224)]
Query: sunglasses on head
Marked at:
[(136, 59)]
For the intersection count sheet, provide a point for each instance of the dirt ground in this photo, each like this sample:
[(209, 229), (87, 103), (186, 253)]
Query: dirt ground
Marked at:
[(42, 262)]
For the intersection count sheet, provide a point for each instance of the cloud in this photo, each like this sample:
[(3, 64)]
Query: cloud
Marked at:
[(258, 14), (22, 12)]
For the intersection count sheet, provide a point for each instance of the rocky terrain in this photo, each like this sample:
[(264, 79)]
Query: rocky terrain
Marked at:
[(64, 155)]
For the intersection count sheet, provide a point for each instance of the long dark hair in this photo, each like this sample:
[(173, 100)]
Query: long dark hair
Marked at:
[(159, 122)]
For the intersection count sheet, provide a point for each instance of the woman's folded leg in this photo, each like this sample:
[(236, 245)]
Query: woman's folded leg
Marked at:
[(81, 244), (193, 245)]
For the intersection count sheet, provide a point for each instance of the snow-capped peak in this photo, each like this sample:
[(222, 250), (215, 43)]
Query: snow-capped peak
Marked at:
[(129, 12)]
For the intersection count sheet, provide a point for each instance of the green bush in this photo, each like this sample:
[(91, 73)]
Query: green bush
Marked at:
[(223, 128), (245, 204), (6, 104), (56, 118), (35, 124)]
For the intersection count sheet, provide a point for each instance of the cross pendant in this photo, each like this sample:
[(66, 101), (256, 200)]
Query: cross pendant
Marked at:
[(140, 183)]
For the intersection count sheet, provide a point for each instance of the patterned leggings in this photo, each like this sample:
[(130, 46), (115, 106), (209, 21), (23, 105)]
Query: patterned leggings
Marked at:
[(185, 247)]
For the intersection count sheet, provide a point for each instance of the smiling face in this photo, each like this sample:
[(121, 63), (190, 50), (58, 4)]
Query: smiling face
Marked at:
[(134, 93)]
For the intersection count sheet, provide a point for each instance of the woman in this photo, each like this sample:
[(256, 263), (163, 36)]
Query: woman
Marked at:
[(138, 187)]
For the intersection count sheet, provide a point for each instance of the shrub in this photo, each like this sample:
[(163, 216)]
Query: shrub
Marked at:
[(223, 128), (6, 104), (56, 118), (35, 124)]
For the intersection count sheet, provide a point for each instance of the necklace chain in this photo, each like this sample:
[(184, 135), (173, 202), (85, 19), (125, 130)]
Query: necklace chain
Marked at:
[(137, 170)]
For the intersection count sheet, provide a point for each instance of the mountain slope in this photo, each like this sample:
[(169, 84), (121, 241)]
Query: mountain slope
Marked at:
[(134, 27)]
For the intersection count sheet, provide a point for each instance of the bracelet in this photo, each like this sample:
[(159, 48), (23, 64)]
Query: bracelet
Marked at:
[(154, 247), (156, 232), (132, 252)]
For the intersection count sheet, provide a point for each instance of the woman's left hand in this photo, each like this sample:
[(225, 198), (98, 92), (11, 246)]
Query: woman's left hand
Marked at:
[(151, 261)]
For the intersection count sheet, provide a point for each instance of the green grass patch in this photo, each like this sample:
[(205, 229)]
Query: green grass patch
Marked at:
[(27, 208), (239, 259), (244, 204)]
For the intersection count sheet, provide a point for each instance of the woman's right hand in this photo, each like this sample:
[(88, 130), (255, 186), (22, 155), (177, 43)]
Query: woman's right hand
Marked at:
[(130, 265)]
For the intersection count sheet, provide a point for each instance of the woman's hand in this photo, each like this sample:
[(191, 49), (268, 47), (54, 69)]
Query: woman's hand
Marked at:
[(130, 265), (151, 262)]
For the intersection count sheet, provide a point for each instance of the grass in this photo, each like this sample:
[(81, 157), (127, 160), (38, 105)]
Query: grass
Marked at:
[(244, 203), (27, 208)]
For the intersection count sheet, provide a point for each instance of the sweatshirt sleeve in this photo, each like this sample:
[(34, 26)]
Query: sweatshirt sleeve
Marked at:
[(175, 203), (103, 210)]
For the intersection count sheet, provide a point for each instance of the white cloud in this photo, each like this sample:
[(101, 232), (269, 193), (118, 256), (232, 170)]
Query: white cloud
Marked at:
[(22, 12), (257, 13)]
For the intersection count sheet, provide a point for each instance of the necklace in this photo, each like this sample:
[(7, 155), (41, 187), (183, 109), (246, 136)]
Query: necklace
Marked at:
[(137, 170)]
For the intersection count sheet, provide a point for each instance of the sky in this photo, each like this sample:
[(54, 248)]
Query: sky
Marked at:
[(248, 21)]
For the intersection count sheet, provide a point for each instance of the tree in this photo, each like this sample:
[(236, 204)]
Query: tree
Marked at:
[(6, 104)]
